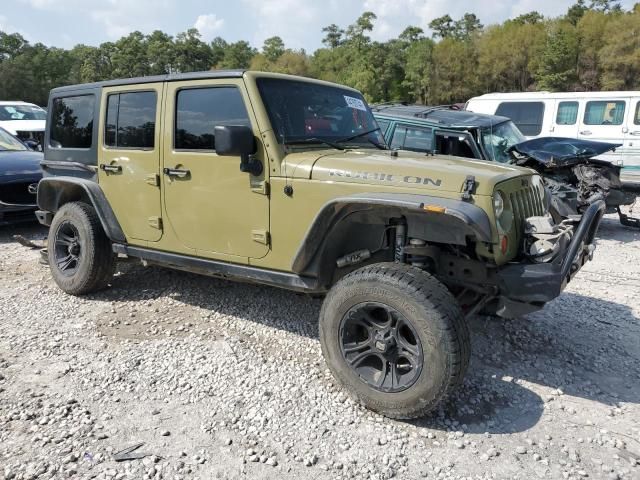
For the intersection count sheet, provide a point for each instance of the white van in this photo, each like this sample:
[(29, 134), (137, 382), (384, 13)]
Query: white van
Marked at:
[(602, 116), (24, 120)]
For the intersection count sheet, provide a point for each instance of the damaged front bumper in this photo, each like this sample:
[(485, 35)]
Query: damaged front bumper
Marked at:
[(525, 288)]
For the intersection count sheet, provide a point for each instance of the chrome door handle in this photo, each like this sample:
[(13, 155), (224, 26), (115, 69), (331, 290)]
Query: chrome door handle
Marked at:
[(635, 133), (176, 172), (110, 168), (585, 132)]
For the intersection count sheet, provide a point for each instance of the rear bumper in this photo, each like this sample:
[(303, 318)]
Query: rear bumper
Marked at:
[(527, 287)]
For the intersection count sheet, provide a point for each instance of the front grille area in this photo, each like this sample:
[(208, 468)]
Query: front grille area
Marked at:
[(27, 135), (527, 202), (17, 194)]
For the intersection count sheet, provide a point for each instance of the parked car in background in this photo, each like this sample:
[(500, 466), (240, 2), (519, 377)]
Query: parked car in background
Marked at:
[(612, 117), (574, 177), (20, 173), (24, 120)]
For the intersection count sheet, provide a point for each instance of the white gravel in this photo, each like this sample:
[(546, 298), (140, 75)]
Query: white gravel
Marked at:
[(225, 380)]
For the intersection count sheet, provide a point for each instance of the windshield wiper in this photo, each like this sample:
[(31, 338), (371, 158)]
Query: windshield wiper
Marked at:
[(380, 146), (353, 137), (315, 140)]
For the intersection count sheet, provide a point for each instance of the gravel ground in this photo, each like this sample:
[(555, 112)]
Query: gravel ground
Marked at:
[(226, 380)]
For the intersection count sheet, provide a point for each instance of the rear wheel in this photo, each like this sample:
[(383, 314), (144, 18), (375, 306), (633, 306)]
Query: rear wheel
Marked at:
[(79, 252), (395, 338)]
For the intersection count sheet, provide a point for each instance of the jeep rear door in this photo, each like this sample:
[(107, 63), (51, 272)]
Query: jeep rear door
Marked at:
[(211, 206), (129, 157)]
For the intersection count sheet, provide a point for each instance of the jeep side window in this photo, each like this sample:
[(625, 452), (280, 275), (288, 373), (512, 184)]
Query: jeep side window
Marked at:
[(526, 115), (72, 122), (200, 110), (131, 120), (416, 139)]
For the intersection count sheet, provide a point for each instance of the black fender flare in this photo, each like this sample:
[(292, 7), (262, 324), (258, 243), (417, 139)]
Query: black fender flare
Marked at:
[(53, 192), (466, 217)]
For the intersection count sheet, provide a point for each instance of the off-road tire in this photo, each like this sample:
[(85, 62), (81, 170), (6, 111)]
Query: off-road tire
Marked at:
[(435, 316), (96, 260)]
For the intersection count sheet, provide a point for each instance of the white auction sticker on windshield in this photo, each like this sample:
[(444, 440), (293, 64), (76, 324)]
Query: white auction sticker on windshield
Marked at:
[(355, 103)]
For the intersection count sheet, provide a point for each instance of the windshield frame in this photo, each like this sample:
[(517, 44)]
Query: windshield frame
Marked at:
[(11, 140), (26, 109), (490, 150), (311, 103)]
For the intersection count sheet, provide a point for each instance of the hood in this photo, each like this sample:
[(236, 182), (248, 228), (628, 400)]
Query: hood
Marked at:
[(20, 165), (406, 170), (560, 152), (23, 125)]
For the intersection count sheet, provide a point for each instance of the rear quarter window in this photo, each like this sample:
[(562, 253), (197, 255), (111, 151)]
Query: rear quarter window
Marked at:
[(72, 122), (412, 138), (527, 116)]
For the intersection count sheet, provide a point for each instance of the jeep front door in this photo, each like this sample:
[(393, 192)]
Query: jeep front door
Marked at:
[(129, 158), (212, 207)]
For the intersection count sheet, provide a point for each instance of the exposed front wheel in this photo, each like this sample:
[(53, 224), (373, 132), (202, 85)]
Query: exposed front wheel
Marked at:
[(395, 338), (79, 252)]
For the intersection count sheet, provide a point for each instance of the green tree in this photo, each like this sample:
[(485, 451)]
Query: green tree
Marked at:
[(129, 58), (356, 32), (11, 45), (191, 53), (443, 27), (620, 55), (237, 55), (558, 63), (333, 36), (161, 53), (418, 69), (576, 12), (273, 48), (411, 34)]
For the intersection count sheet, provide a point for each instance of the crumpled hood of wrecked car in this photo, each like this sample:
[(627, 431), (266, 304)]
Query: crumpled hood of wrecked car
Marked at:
[(559, 151)]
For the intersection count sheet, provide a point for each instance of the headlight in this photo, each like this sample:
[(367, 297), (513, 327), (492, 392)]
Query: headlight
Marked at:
[(504, 215), (498, 203)]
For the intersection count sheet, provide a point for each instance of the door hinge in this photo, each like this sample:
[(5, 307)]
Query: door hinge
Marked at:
[(155, 222), (260, 236), (153, 179)]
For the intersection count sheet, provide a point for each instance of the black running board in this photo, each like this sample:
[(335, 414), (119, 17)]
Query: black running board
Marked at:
[(246, 273)]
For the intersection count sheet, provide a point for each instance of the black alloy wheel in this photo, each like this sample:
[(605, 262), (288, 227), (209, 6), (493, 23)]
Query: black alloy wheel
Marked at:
[(68, 249), (381, 346)]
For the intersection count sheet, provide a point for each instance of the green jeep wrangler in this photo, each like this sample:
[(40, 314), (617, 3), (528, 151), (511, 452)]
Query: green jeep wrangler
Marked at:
[(286, 181)]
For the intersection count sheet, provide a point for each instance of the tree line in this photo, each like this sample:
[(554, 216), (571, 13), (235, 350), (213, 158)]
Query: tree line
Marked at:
[(594, 46)]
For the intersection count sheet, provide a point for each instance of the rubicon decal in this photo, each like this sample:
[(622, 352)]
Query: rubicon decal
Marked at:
[(385, 177)]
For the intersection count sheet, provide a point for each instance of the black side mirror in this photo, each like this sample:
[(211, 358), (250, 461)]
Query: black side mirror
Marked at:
[(236, 140)]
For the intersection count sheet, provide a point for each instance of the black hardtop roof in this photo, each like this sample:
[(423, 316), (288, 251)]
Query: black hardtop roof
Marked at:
[(172, 77), (444, 116)]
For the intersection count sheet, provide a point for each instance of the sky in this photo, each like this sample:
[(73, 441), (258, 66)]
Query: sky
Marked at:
[(65, 23)]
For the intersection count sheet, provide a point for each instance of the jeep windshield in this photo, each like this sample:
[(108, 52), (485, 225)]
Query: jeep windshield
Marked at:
[(9, 142), (498, 139), (307, 113), (21, 112)]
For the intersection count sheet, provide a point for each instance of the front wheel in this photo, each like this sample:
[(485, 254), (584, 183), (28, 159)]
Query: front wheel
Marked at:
[(79, 252), (395, 338)]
